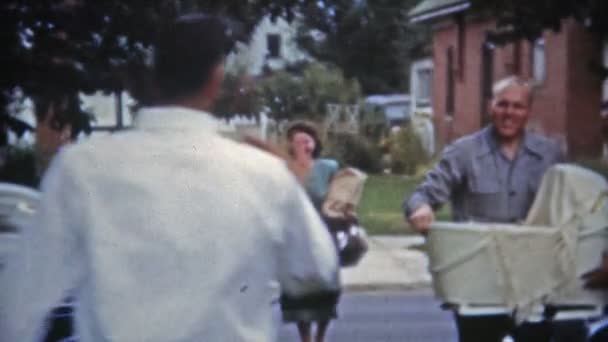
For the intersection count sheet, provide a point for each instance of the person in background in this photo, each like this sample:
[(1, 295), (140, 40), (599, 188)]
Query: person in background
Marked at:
[(167, 232), (492, 176), (315, 174), (58, 123)]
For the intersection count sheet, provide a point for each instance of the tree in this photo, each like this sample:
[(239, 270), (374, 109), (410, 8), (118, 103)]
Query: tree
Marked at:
[(324, 85), (55, 49), (370, 40), (283, 96), (306, 94), (239, 95), (528, 19)]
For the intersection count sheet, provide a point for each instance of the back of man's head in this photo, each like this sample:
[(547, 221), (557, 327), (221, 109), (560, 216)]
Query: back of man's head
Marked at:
[(187, 52)]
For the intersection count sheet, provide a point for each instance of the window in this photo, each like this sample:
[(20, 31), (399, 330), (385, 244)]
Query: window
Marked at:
[(274, 45), (424, 86), (516, 67), (112, 112), (460, 20), (539, 68), (449, 101), (605, 95), (487, 80)]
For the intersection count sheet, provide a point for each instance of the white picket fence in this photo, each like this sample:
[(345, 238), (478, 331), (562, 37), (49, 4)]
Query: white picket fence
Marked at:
[(262, 127)]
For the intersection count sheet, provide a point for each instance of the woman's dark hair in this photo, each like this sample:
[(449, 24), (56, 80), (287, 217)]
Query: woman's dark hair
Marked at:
[(187, 52), (66, 110), (307, 128)]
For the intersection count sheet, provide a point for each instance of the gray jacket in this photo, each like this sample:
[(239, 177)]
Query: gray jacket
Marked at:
[(481, 183)]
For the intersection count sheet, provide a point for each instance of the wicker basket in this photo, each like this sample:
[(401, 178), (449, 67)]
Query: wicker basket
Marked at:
[(537, 263), (495, 265)]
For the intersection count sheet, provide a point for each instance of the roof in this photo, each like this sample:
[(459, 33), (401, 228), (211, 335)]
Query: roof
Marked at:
[(429, 9), (383, 100)]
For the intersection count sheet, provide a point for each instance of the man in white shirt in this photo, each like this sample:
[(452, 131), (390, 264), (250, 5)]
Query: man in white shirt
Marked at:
[(170, 232)]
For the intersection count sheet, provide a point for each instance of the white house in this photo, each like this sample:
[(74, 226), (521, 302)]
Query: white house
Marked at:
[(111, 112), (272, 44)]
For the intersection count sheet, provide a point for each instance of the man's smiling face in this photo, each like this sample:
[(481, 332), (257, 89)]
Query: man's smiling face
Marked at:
[(510, 111)]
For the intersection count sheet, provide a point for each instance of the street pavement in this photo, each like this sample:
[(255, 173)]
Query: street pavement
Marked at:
[(393, 263), (387, 297), (386, 317)]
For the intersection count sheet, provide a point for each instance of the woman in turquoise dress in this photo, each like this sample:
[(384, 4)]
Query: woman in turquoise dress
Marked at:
[(315, 174)]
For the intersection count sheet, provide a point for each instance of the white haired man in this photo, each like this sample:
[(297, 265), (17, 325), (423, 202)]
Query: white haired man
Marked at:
[(492, 176)]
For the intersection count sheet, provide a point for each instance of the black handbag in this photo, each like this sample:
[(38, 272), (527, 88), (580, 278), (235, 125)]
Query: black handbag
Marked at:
[(350, 240), (352, 246)]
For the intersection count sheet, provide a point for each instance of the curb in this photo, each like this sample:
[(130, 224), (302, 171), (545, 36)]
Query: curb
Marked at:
[(364, 283), (386, 287)]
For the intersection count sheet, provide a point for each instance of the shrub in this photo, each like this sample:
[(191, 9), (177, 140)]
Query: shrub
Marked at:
[(407, 151), (288, 95), (238, 95), (354, 150)]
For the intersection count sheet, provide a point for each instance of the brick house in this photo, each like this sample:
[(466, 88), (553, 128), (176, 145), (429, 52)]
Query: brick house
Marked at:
[(466, 62)]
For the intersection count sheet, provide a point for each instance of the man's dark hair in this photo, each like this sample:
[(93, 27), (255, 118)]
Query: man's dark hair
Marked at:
[(307, 128), (187, 52)]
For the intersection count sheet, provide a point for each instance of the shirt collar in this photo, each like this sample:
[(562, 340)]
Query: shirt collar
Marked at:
[(489, 143), (532, 144), (176, 118)]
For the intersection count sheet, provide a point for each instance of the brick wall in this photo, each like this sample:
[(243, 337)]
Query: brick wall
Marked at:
[(549, 110), (584, 93), (566, 102), (466, 117)]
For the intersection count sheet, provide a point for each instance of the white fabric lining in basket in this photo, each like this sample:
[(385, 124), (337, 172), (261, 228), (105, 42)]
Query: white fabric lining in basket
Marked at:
[(522, 267)]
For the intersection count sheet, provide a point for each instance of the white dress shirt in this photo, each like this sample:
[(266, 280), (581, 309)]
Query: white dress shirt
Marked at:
[(169, 232)]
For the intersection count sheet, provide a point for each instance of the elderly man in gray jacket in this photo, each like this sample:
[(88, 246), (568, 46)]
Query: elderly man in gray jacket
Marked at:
[(492, 176)]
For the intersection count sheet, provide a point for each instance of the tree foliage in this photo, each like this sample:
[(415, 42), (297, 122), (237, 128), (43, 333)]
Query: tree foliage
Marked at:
[(407, 151), (517, 19), (370, 40), (290, 95), (58, 48), (528, 19), (239, 95), (324, 85), (355, 151)]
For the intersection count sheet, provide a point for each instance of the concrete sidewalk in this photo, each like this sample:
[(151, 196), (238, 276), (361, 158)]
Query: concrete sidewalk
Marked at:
[(390, 264)]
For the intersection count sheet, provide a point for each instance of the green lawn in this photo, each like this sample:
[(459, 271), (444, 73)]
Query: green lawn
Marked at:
[(380, 208)]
